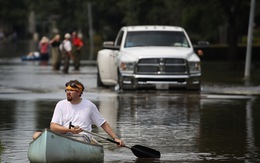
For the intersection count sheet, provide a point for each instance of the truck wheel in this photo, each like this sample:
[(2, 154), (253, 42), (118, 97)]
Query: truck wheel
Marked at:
[(99, 82)]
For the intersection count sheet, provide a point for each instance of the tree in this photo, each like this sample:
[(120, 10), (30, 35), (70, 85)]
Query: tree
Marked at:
[(237, 13), (206, 17), (13, 18), (217, 21)]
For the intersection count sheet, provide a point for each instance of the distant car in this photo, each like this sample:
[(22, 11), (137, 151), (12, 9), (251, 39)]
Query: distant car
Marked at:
[(149, 56)]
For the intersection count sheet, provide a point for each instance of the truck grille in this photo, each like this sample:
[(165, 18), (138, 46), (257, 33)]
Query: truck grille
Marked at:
[(165, 66)]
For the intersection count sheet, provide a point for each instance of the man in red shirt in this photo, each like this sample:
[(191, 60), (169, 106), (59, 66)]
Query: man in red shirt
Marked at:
[(77, 45)]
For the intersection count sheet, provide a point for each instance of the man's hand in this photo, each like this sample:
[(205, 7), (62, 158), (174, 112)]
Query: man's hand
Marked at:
[(76, 130), (121, 142)]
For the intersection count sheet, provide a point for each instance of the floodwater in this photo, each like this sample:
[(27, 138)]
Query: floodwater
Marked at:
[(219, 124)]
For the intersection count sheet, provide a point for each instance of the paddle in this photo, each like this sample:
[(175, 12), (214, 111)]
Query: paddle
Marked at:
[(138, 150)]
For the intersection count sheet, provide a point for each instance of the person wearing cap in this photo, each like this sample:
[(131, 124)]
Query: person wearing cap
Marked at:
[(65, 48), (81, 112)]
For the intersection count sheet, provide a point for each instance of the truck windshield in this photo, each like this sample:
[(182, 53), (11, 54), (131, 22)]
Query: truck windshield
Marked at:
[(156, 38)]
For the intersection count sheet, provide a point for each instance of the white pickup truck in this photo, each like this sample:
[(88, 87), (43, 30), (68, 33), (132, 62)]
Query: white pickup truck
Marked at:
[(149, 56)]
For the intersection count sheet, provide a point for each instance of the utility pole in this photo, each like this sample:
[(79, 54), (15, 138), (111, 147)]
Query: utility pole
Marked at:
[(91, 51), (249, 41)]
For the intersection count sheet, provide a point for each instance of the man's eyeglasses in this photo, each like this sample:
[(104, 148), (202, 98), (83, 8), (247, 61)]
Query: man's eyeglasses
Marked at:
[(72, 84), (70, 91)]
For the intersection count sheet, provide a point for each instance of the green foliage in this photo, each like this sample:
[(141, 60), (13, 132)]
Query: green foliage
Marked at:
[(13, 17), (218, 21)]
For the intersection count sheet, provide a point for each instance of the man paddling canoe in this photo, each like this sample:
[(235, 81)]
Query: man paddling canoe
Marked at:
[(81, 112)]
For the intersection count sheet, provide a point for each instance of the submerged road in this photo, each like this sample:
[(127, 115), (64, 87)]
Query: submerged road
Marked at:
[(18, 77), (220, 123)]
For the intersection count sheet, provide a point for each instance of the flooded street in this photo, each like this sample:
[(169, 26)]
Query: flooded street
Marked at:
[(221, 123)]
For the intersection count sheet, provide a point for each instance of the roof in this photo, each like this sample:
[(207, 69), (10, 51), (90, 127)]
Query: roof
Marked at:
[(152, 28)]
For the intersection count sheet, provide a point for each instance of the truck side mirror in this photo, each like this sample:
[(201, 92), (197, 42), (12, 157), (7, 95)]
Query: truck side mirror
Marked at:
[(110, 45)]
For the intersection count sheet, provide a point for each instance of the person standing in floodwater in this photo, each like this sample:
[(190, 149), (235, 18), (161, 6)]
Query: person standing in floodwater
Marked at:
[(77, 45), (55, 52), (65, 48), (44, 50)]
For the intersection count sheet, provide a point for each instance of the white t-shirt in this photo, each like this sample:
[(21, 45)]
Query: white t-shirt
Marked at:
[(66, 44), (83, 114)]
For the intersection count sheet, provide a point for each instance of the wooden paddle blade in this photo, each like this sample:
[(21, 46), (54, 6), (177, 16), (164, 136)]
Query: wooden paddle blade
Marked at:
[(145, 152)]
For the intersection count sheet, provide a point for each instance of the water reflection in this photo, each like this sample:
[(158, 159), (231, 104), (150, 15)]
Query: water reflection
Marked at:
[(108, 107), (184, 127), (7, 110), (1, 147), (18, 120), (227, 130), (252, 150), (222, 128), (43, 113), (157, 118)]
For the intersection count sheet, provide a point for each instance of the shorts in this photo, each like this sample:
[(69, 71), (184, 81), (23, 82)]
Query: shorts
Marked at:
[(80, 137)]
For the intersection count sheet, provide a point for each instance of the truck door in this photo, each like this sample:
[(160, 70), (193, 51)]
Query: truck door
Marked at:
[(107, 66)]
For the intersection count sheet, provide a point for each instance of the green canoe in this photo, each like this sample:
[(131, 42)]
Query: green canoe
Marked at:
[(54, 147)]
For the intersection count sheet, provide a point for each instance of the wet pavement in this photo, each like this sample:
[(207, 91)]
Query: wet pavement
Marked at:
[(218, 124)]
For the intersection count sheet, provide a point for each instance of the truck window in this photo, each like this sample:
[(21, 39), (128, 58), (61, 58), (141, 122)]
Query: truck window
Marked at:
[(156, 38), (119, 38)]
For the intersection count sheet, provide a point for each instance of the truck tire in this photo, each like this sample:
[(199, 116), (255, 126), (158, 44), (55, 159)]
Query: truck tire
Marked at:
[(99, 82)]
